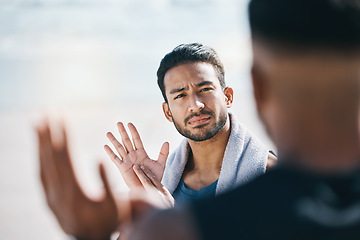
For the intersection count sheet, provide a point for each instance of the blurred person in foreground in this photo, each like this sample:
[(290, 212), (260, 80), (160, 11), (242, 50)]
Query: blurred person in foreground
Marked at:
[(306, 75), (218, 153)]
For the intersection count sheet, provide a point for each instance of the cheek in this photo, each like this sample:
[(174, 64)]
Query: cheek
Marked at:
[(176, 111), (216, 103)]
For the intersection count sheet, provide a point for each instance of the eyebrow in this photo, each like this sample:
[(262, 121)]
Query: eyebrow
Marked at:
[(203, 83), (176, 90)]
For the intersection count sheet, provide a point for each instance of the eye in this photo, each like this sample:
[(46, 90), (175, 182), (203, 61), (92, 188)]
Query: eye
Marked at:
[(179, 96), (205, 89)]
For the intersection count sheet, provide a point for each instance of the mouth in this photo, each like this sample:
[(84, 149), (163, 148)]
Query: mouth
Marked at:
[(199, 120)]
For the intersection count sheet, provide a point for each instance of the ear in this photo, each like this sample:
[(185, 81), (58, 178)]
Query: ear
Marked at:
[(167, 111), (229, 96)]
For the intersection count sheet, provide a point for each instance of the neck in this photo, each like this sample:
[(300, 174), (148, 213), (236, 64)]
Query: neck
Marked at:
[(330, 152), (208, 155)]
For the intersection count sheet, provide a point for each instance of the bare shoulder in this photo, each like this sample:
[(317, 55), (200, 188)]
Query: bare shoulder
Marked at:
[(171, 224), (271, 161)]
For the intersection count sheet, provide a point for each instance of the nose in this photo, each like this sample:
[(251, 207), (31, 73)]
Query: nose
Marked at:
[(196, 104)]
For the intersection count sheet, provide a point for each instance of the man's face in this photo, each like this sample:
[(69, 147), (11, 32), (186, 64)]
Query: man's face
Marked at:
[(196, 102)]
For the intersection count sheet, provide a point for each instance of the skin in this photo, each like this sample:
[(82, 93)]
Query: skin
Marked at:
[(309, 104), (197, 105), (324, 135), (135, 216), (77, 214), (131, 153), (134, 164), (84, 217), (191, 88)]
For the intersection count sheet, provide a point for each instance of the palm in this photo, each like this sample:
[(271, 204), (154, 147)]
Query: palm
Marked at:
[(134, 154), (97, 217), (156, 167), (76, 213)]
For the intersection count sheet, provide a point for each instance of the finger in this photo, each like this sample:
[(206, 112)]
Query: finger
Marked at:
[(152, 177), (117, 145), (135, 136), (166, 192), (125, 137), (64, 149), (164, 153), (47, 169), (158, 185), (116, 160), (108, 191), (42, 163), (62, 158), (146, 182), (151, 184), (48, 172), (168, 197)]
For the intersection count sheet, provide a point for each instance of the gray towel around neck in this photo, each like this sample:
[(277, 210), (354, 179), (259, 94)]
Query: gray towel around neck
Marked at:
[(245, 158)]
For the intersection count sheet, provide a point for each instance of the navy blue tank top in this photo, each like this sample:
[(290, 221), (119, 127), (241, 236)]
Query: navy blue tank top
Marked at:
[(183, 194)]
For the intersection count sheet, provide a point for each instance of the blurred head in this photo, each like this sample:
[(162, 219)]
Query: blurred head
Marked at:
[(306, 69), (191, 79)]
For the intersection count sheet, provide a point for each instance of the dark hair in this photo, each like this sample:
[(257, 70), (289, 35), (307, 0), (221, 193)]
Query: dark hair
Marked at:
[(189, 53), (307, 23)]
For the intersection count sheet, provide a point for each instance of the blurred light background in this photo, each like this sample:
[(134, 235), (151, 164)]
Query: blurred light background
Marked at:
[(93, 63)]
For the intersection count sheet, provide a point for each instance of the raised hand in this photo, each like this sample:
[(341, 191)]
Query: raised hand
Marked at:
[(133, 153), (77, 214)]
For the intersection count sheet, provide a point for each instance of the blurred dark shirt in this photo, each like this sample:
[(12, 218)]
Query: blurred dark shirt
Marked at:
[(285, 203)]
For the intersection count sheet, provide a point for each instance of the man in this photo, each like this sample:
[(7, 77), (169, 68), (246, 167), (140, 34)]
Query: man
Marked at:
[(306, 75), (218, 153)]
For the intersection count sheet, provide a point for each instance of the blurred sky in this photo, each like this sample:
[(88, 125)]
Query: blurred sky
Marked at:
[(94, 62), (80, 53)]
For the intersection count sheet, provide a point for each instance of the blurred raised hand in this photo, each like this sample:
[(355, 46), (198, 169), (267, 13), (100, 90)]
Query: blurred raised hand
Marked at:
[(131, 153), (77, 214)]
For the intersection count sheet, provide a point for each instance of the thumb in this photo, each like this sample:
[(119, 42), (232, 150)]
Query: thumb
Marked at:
[(164, 153), (168, 197)]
